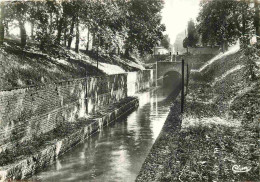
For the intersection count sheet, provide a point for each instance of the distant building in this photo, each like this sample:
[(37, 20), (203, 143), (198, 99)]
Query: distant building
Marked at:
[(160, 51)]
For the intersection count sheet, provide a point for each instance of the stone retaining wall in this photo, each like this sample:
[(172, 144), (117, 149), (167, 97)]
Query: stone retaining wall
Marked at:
[(29, 165), (30, 112), (138, 81)]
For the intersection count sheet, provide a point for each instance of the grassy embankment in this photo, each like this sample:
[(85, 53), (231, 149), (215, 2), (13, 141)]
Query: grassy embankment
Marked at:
[(30, 66), (217, 139)]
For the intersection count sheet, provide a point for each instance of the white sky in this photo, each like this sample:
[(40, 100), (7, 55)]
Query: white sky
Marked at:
[(176, 14)]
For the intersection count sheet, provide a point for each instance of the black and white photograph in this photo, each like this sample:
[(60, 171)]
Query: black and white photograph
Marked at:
[(129, 90)]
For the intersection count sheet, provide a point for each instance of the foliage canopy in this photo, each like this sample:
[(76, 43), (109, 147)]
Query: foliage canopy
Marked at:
[(113, 26)]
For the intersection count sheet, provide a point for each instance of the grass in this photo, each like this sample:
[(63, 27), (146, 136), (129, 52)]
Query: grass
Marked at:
[(221, 144), (217, 137), (213, 153), (22, 67), (31, 66)]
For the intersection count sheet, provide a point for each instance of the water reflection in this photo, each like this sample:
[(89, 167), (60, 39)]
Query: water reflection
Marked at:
[(118, 151)]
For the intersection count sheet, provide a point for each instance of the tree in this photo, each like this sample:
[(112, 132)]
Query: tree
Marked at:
[(223, 22), (72, 12), (256, 19), (113, 26), (185, 42), (40, 16), (144, 23), (19, 10), (193, 37), (178, 44), (166, 41), (32, 16), (2, 30), (77, 35), (61, 17)]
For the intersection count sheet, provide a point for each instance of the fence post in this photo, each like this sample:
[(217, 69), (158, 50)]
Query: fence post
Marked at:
[(97, 58), (182, 86), (156, 84), (187, 79)]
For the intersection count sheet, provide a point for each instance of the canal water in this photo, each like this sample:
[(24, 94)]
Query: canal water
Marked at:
[(118, 151)]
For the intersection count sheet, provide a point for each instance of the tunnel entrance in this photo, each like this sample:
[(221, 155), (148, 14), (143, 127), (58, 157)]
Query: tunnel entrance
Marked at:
[(171, 80)]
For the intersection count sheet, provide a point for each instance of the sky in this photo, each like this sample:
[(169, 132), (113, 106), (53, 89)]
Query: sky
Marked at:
[(176, 14)]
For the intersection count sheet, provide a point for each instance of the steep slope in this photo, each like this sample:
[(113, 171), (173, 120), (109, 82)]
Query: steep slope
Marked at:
[(30, 66), (221, 120), (217, 137), (228, 81)]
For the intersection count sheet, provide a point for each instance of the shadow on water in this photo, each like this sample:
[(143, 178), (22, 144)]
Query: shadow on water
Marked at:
[(173, 94), (171, 79), (171, 85), (117, 152)]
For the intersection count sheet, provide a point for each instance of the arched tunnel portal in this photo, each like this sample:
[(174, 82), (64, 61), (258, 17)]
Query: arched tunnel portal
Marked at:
[(171, 80)]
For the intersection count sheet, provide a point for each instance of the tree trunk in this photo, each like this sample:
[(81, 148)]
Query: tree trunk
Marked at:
[(93, 40), (101, 41), (127, 52), (256, 20), (32, 28), (44, 38), (224, 46), (2, 29), (87, 47), (97, 44), (59, 30), (65, 32), (6, 28), (71, 32), (51, 23), (243, 21), (22, 33), (65, 37), (244, 40), (77, 35)]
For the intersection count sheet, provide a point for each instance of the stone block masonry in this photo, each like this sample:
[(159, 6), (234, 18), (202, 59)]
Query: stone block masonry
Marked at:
[(28, 115), (138, 81), (29, 165), (29, 112)]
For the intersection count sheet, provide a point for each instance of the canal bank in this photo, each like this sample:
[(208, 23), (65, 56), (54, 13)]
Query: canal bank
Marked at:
[(217, 137), (117, 152), (63, 139), (166, 145), (202, 145), (40, 123)]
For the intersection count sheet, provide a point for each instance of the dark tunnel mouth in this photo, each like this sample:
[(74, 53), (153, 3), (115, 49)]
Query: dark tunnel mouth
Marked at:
[(171, 80)]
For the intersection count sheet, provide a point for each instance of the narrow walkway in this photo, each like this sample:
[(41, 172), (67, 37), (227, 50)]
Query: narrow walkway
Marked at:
[(160, 155)]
